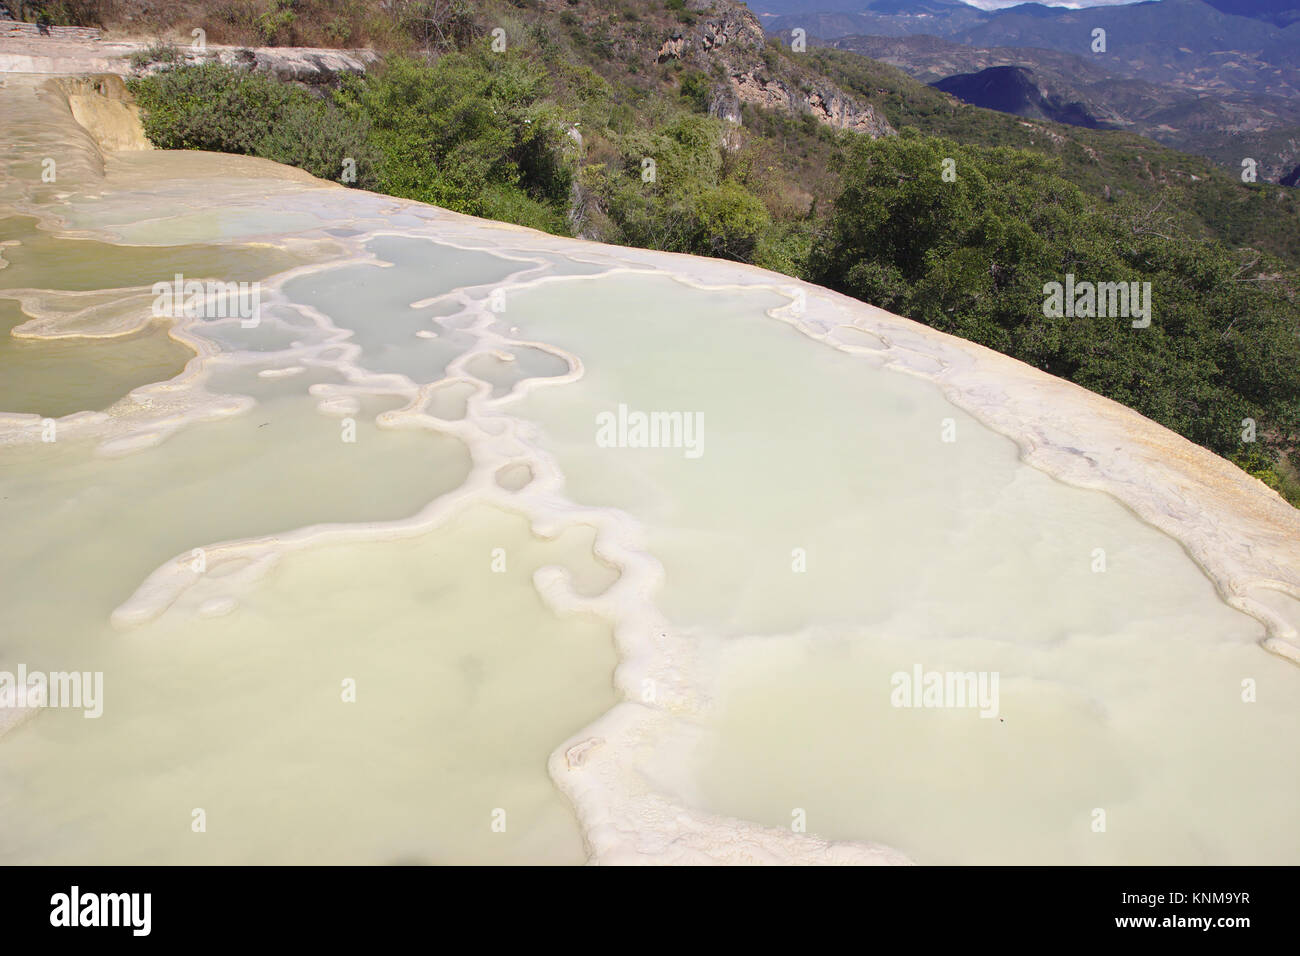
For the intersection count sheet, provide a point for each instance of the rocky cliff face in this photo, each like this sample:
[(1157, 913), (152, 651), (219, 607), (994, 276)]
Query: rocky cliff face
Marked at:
[(726, 42), (724, 26), (827, 104)]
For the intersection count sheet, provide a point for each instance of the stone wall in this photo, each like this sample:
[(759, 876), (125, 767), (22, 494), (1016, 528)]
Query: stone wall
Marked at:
[(13, 29)]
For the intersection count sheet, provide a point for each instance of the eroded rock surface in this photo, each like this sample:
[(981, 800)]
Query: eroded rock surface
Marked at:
[(729, 41)]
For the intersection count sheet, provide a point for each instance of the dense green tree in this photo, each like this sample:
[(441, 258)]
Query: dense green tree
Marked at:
[(471, 132), (971, 252), (222, 109)]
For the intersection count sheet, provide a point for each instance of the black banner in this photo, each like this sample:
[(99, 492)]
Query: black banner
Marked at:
[(983, 907)]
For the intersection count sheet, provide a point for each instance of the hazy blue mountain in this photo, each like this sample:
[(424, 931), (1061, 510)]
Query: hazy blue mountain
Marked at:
[(1280, 12), (1011, 89), (1189, 44)]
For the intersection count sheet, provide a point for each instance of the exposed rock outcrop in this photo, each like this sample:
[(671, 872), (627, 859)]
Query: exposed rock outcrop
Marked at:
[(673, 49), (728, 42), (827, 104), (103, 107), (68, 54), (306, 65)]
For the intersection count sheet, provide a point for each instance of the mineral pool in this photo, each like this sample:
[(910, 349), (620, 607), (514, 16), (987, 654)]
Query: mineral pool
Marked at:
[(374, 534)]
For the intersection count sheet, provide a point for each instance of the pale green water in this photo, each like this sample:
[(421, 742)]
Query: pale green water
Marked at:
[(1120, 689), (463, 684), (824, 537), (42, 261), (56, 378)]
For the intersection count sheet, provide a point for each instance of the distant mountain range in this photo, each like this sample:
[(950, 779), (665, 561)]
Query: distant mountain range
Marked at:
[(1065, 88), (1071, 4), (1218, 78), (1186, 43), (1277, 12), (1014, 89)]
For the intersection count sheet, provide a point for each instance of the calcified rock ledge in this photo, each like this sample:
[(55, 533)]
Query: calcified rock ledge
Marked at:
[(64, 54), (1244, 536)]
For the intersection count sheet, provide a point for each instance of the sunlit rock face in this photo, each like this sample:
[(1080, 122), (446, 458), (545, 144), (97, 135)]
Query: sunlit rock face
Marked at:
[(409, 537)]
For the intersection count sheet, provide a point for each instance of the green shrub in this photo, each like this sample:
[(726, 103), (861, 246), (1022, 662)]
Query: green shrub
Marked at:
[(276, 24), (158, 52), (728, 221), (465, 132), (223, 109), (696, 91), (972, 256)]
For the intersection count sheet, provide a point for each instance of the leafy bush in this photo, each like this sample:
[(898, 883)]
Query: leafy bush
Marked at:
[(155, 53), (276, 24), (223, 109), (972, 256), (727, 221), (695, 90), (465, 132)]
